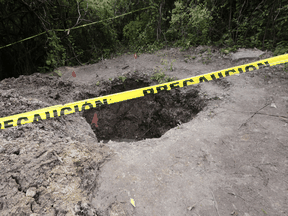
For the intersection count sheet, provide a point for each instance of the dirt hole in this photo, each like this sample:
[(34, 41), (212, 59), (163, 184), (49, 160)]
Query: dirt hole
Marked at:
[(146, 117)]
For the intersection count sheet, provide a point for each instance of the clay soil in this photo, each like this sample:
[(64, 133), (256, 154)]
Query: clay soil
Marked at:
[(216, 148)]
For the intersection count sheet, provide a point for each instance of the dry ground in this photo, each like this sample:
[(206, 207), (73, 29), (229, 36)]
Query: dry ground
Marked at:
[(226, 161)]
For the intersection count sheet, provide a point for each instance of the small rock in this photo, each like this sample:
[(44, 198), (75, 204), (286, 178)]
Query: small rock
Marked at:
[(269, 82), (77, 208), (246, 54), (234, 213), (31, 192), (190, 208), (34, 214), (273, 105)]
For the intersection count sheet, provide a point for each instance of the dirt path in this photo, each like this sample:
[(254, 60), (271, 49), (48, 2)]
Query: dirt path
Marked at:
[(226, 161)]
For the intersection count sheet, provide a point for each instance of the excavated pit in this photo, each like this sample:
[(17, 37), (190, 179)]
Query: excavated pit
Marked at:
[(146, 117)]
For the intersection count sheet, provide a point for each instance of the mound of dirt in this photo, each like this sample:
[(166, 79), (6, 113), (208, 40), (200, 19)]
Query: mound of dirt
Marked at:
[(50, 166)]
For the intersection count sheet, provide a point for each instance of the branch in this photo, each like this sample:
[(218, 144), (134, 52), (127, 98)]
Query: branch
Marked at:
[(74, 54), (215, 202), (252, 116), (78, 13), (40, 18)]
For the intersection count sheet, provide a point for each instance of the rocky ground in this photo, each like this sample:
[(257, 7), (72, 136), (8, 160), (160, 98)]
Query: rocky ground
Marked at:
[(223, 149)]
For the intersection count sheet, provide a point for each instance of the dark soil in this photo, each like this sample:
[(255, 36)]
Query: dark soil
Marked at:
[(145, 117)]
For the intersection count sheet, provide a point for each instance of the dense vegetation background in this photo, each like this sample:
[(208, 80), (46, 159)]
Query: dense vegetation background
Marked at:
[(227, 23)]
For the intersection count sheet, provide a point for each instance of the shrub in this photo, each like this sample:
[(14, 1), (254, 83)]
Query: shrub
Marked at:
[(190, 24)]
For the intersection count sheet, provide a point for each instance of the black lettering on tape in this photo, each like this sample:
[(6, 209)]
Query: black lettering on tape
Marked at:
[(62, 112), (203, 79), (213, 76), (161, 88), (86, 104), (185, 82), (229, 71), (47, 115), (250, 66), (37, 117), (55, 114), (260, 65), (174, 85), (148, 91), (20, 119), (220, 74), (99, 103), (76, 108), (6, 124), (240, 70)]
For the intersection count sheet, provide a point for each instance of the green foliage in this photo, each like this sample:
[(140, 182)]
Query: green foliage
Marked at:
[(250, 23), (166, 64), (190, 24), (181, 23), (104, 7), (160, 77), (209, 51), (58, 72), (122, 78), (264, 211), (281, 48), (56, 53), (133, 30)]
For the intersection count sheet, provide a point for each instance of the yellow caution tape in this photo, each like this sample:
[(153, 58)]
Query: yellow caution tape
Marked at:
[(60, 110)]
